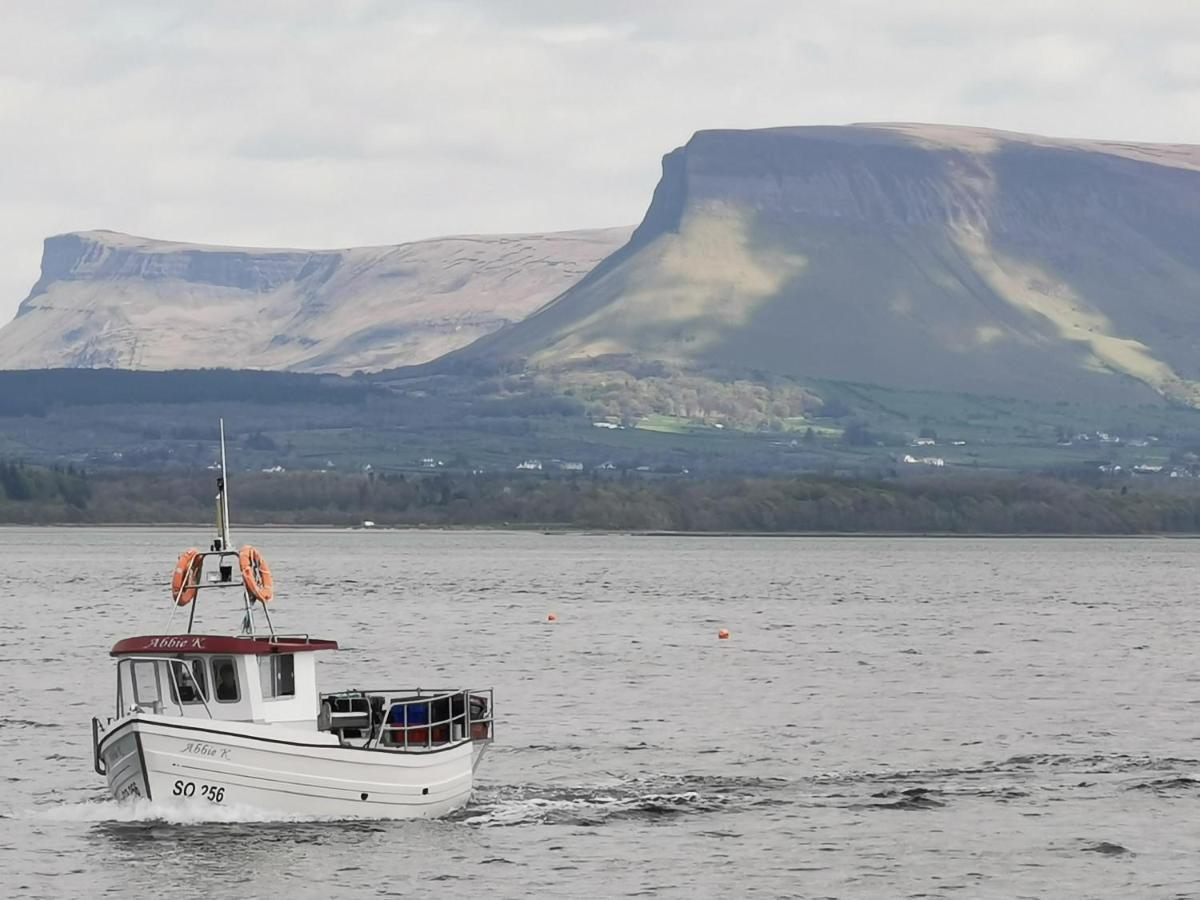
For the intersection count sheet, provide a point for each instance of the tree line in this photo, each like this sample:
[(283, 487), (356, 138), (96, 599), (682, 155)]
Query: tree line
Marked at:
[(53, 490), (32, 392), (1034, 505)]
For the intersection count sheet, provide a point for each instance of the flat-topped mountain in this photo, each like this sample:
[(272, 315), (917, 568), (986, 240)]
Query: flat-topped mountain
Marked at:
[(915, 256), (112, 300)]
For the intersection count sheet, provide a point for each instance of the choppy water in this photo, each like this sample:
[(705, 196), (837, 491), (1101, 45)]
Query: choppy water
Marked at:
[(891, 718)]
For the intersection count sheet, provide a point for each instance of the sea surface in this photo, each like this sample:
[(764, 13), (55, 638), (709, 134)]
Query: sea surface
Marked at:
[(890, 718)]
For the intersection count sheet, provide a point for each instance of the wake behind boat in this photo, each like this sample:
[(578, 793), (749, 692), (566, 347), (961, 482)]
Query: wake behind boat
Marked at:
[(241, 720)]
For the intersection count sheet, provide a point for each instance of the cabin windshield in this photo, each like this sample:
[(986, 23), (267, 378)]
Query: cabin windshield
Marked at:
[(160, 684), (189, 684), (146, 688)]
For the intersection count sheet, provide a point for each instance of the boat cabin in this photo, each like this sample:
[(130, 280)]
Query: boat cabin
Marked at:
[(249, 678)]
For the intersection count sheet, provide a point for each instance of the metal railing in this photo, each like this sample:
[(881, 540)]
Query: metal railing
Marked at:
[(418, 719), (405, 722), (97, 762)]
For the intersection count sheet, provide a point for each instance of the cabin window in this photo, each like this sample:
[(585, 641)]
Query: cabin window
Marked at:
[(189, 684), (145, 683), (278, 674), (224, 679)]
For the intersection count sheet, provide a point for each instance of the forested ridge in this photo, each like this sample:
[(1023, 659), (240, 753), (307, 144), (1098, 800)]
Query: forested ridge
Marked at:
[(35, 391), (25, 487), (1035, 505)]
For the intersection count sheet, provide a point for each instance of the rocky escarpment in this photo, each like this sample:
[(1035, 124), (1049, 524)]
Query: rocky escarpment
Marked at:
[(926, 257), (101, 256), (113, 300)]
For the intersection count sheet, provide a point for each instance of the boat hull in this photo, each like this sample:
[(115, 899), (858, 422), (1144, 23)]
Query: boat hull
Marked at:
[(203, 763)]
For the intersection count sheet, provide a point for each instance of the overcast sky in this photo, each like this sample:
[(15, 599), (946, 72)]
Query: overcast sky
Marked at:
[(318, 124)]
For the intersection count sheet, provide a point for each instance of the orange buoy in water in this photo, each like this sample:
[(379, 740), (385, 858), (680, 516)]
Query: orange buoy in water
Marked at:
[(723, 634), (552, 617)]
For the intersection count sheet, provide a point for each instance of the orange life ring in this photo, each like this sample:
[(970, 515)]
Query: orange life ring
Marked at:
[(185, 580), (256, 575)]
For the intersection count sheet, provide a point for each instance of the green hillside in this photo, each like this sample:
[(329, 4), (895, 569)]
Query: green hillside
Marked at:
[(917, 257)]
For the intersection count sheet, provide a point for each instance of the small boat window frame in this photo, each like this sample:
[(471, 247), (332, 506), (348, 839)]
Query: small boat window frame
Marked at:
[(184, 673), (137, 666), (216, 682), (278, 678)]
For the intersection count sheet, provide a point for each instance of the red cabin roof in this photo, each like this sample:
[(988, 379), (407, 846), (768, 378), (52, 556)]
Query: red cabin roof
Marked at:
[(155, 644)]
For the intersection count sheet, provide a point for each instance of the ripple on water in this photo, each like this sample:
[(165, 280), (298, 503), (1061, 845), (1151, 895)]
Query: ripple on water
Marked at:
[(639, 798)]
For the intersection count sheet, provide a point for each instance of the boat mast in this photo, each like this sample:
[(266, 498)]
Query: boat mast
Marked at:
[(222, 549), (222, 498), (223, 544), (222, 541)]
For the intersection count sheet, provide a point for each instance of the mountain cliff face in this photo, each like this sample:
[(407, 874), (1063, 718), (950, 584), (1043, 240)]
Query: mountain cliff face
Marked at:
[(926, 257), (111, 300)]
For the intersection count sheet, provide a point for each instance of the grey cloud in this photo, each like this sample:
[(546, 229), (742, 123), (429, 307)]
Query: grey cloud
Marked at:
[(295, 145)]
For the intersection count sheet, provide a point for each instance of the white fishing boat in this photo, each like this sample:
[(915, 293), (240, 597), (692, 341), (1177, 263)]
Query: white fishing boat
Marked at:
[(240, 720)]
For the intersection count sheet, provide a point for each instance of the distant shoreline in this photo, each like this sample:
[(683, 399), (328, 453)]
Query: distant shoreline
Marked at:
[(720, 507), (550, 531)]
